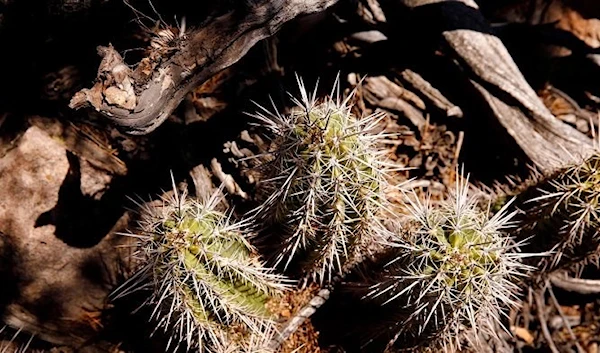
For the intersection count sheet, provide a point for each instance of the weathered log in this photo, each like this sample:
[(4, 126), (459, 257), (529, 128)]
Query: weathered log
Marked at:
[(434, 95), (385, 94), (549, 143), (140, 101)]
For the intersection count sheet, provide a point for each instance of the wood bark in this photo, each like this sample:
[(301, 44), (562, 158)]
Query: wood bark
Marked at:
[(139, 101), (549, 143)]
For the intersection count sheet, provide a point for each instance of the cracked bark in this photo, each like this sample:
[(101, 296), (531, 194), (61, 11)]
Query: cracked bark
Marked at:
[(139, 101), (549, 143)]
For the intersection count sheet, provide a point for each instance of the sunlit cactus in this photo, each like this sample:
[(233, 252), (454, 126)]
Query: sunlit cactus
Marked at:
[(563, 212), (324, 185), (453, 272), (208, 286)]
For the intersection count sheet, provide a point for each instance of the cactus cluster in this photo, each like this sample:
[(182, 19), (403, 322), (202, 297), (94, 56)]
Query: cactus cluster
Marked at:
[(209, 287), (449, 275), (452, 274), (324, 185)]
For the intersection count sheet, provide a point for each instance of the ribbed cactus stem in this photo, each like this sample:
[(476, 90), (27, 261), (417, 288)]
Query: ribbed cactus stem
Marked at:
[(324, 186), (209, 287), (454, 273), (562, 213)]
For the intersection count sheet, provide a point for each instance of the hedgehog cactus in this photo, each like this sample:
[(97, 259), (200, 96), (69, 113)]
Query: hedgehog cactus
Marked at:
[(453, 274), (209, 286), (563, 210), (324, 184)]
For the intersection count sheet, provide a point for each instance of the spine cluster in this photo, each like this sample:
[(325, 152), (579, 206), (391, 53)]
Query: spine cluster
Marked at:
[(563, 213), (451, 275), (209, 286), (447, 277), (324, 184)]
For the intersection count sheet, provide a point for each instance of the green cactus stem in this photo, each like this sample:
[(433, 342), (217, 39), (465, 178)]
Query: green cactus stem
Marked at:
[(209, 287), (562, 212), (453, 274), (324, 185)]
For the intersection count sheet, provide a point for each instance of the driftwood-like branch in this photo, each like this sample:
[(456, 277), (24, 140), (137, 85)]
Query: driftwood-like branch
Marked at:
[(549, 143), (383, 93), (435, 96), (540, 306), (139, 101), (578, 285)]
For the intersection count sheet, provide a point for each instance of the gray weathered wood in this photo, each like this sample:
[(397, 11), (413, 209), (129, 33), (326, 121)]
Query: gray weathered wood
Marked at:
[(142, 101), (549, 143)]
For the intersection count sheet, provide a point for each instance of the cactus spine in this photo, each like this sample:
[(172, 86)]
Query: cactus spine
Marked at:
[(209, 286), (324, 184), (452, 274), (563, 212)]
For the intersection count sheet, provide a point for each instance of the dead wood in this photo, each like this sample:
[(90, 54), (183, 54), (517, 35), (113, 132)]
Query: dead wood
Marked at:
[(579, 285), (541, 307), (383, 93), (549, 143), (297, 320), (370, 11), (433, 94), (202, 182), (139, 101)]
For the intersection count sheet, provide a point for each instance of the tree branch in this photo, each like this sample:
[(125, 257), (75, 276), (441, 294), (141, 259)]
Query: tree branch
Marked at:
[(579, 285), (139, 101), (549, 143)]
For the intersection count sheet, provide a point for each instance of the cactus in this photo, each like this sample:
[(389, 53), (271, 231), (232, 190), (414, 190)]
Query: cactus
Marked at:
[(10, 342), (209, 288), (563, 211), (452, 274), (324, 185)]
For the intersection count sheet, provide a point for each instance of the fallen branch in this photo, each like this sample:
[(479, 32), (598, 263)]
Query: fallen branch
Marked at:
[(435, 96), (541, 307), (578, 285), (139, 101), (549, 143), (297, 320), (564, 319)]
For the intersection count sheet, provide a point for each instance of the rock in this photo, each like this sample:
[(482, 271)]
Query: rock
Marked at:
[(85, 141), (94, 182), (54, 280)]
